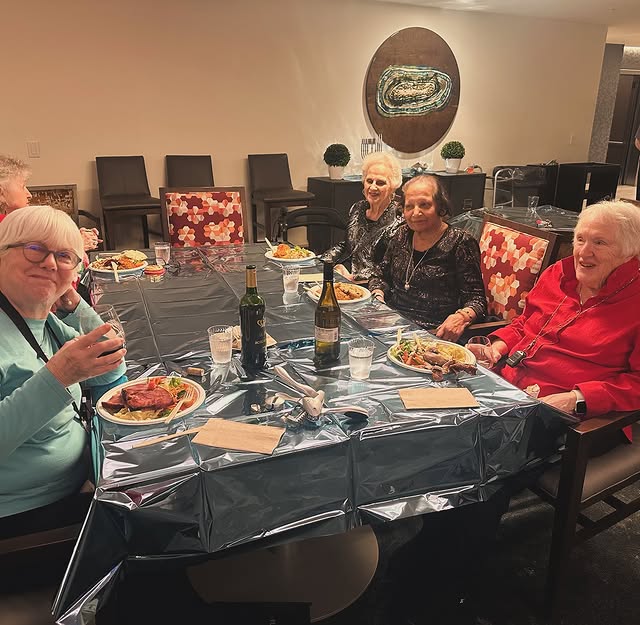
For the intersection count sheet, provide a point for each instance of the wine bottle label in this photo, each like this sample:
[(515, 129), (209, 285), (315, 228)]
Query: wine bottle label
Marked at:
[(327, 335)]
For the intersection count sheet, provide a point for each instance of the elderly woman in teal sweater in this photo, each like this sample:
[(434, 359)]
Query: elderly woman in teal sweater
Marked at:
[(43, 446)]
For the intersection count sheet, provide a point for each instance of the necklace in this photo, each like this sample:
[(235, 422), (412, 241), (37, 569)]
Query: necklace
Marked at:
[(407, 275), (410, 266)]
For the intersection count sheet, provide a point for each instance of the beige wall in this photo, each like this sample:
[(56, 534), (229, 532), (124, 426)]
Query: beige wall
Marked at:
[(228, 78)]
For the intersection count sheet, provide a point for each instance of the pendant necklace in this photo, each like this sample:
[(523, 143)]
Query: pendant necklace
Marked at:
[(410, 266)]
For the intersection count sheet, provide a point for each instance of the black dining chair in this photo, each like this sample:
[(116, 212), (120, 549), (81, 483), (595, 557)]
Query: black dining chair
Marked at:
[(321, 224), (271, 187), (124, 192), (189, 171)]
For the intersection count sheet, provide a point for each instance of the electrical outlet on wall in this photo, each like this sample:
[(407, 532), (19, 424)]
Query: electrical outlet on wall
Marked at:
[(33, 148)]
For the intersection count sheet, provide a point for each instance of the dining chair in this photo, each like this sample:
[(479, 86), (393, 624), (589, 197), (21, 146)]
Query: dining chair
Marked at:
[(512, 257), (124, 192), (271, 187), (320, 222), (189, 171), (204, 216), (582, 480)]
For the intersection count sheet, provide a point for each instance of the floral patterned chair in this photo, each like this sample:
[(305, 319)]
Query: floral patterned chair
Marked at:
[(512, 256), (204, 216)]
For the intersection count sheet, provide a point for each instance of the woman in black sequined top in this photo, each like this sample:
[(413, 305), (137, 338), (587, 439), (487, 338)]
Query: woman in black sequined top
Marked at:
[(431, 271), (372, 221)]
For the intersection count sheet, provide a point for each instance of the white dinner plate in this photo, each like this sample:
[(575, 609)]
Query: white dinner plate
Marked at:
[(315, 292), (462, 354), (105, 414), (122, 272), (269, 254)]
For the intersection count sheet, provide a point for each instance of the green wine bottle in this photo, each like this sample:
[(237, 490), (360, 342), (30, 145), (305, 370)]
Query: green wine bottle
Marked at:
[(254, 335), (327, 323)]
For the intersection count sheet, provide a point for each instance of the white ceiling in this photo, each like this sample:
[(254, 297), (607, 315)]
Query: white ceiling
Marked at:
[(621, 16)]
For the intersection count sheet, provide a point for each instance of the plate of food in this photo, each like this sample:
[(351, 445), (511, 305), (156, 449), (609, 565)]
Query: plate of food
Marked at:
[(149, 401), (284, 253), (346, 293), (127, 263), (433, 356)]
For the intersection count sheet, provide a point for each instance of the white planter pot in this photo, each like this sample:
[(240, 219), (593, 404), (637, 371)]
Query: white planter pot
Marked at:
[(335, 172), (452, 165)]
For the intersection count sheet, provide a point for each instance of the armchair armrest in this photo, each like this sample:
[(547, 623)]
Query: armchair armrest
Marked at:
[(606, 423), (481, 329)]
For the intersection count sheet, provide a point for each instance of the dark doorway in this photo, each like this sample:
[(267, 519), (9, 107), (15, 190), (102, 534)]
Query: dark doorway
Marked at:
[(626, 119)]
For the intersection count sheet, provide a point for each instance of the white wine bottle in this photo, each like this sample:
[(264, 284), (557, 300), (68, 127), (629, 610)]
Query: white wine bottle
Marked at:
[(327, 323), (252, 326)]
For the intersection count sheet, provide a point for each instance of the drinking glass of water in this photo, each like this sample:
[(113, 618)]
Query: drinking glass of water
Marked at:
[(360, 357), (290, 279), (91, 318), (162, 251), (220, 342), (532, 205)]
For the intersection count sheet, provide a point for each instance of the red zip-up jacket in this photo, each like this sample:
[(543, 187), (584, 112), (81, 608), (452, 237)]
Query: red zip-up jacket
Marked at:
[(594, 347)]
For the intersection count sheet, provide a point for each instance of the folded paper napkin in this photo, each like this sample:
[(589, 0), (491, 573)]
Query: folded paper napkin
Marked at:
[(311, 277), (262, 439), (415, 398)]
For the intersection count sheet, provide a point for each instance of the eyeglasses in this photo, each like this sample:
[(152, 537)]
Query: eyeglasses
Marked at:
[(37, 253)]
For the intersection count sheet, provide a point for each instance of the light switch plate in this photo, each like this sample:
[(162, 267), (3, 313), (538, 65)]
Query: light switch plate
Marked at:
[(33, 149)]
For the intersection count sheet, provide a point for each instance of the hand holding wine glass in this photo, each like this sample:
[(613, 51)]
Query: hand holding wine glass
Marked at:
[(480, 347)]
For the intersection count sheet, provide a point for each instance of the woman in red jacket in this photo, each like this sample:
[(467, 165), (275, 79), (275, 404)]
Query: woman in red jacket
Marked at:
[(578, 338)]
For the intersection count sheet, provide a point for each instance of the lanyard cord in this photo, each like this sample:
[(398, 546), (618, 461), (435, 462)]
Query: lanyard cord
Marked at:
[(26, 332)]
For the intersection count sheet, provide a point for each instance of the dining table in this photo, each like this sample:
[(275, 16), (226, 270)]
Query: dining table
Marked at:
[(178, 501)]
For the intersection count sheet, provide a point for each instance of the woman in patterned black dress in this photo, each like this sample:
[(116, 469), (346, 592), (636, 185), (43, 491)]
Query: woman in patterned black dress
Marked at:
[(431, 271), (372, 221)]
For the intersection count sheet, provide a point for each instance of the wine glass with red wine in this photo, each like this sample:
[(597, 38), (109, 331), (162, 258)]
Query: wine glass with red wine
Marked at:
[(91, 318)]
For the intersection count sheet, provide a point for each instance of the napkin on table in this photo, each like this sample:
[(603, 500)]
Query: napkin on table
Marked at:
[(415, 398)]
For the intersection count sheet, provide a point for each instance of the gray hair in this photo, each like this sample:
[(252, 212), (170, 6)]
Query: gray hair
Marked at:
[(389, 161), (44, 224), (623, 216), (11, 169)]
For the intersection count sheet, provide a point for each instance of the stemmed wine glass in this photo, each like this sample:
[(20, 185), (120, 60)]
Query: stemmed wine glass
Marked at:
[(92, 318)]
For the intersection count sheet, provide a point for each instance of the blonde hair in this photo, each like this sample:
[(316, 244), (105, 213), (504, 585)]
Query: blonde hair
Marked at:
[(44, 224), (623, 216), (389, 161)]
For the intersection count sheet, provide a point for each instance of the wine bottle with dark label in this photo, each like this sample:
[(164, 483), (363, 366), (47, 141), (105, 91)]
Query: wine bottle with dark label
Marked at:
[(327, 325), (254, 335)]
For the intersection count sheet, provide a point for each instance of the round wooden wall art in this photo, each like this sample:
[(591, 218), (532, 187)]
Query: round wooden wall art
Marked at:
[(412, 89)]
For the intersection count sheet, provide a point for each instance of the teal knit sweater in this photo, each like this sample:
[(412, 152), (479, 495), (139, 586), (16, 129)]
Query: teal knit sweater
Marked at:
[(41, 444)]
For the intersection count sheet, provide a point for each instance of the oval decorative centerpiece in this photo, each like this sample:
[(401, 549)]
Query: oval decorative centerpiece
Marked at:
[(412, 89)]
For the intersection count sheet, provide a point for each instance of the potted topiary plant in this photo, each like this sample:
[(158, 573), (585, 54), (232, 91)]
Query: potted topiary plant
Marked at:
[(336, 156), (452, 152)]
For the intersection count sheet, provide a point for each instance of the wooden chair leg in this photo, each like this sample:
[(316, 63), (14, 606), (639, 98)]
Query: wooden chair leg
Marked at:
[(574, 465)]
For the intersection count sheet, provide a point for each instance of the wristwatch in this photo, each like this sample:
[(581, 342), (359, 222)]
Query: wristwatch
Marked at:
[(581, 405)]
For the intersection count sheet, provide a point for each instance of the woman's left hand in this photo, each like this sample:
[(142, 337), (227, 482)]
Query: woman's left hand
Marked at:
[(562, 401), (68, 302), (90, 238), (451, 328)]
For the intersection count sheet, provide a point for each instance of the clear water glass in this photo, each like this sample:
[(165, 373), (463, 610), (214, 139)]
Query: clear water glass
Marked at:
[(290, 279), (220, 342), (360, 358), (91, 318), (532, 205), (162, 251)]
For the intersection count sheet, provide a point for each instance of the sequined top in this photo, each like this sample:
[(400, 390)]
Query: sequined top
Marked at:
[(447, 278), (366, 240)]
